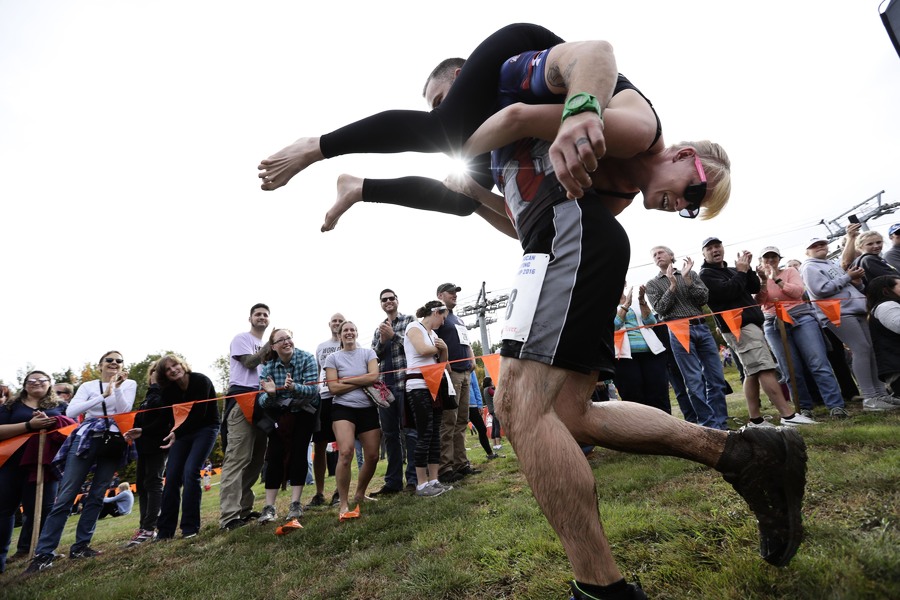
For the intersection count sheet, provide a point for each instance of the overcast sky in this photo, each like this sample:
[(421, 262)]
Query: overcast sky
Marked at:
[(130, 134)]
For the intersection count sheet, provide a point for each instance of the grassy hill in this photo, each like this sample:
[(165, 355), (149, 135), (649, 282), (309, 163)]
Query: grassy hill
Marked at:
[(676, 526)]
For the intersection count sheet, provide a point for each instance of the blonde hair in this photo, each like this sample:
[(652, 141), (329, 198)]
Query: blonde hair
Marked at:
[(717, 166), (864, 237)]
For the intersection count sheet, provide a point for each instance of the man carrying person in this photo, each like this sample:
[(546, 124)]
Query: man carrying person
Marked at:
[(246, 448), (325, 434), (454, 461), (680, 294), (388, 345), (731, 288), (548, 372)]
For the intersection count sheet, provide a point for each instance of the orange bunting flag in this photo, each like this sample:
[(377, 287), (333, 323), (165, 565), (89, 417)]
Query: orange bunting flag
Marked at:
[(245, 401), (681, 329), (618, 338), (734, 318), (125, 421), (181, 412), (9, 446), (832, 310), (781, 311), (492, 366), (432, 375)]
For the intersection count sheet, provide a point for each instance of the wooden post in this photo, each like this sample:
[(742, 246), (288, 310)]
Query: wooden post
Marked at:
[(790, 363), (38, 492)]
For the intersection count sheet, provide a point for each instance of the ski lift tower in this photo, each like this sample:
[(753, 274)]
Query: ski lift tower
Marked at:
[(481, 307), (870, 208)]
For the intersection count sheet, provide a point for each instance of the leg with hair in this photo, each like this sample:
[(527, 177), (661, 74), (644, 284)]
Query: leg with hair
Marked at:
[(545, 448), (371, 444), (751, 394)]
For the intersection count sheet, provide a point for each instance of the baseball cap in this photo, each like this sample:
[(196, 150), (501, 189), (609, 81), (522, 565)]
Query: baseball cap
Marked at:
[(709, 241), (768, 249), (448, 287), (815, 241), (894, 229)]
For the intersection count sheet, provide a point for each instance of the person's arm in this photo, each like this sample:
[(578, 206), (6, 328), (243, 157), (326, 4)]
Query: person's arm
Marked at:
[(122, 398), (849, 253), (418, 342), (308, 373), (888, 314), (251, 361), (346, 384), (659, 296), (86, 397), (791, 283), (820, 285)]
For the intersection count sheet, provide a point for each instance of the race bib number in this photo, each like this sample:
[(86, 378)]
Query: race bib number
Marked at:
[(524, 296), (463, 334)]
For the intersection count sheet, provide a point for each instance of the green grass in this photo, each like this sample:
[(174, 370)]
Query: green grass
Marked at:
[(676, 526)]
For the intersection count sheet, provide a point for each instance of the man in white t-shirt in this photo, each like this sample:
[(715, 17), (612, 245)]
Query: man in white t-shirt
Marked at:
[(245, 450), (324, 435)]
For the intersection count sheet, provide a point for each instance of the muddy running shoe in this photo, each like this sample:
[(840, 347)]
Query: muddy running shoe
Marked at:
[(767, 467), (839, 413), (763, 424), (632, 592), (140, 536), (878, 404), (317, 500), (336, 499), (294, 511), (268, 514), (41, 562), (84, 552)]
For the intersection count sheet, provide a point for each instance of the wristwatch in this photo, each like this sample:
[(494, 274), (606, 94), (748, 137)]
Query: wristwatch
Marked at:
[(579, 103)]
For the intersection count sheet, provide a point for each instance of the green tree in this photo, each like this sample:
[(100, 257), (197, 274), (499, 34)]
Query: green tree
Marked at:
[(67, 376), (222, 367), (21, 373), (476, 348), (139, 370)]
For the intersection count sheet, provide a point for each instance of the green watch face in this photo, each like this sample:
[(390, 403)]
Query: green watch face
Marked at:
[(578, 101)]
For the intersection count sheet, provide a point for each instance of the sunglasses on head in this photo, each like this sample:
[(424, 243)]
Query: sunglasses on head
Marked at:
[(694, 193), (113, 360)]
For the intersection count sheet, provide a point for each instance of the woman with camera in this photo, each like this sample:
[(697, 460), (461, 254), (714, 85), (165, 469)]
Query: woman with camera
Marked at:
[(97, 444)]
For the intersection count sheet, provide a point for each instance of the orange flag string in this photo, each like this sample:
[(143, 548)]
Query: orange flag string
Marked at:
[(781, 311), (681, 329), (245, 401), (181, 411), (734, 318), (618, 338), (432, 375), (492, 366), (124, 421), (832, 310), (9, 446)]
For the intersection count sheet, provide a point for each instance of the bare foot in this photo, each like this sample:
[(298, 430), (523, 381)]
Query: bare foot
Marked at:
[(349, 192), (278, 169)]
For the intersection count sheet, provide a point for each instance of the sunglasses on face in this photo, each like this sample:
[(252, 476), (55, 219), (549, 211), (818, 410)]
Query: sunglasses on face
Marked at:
[(694, 193), (41, 381), (113, 360), (389, 299)]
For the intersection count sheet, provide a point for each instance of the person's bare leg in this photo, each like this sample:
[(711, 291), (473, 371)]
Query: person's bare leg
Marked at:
[(632, 427), (371, 441), (320, 465), (545, 449), (751, 394), (296, 493), (772, 388), (278, 169), (344, 431), (349, 192)]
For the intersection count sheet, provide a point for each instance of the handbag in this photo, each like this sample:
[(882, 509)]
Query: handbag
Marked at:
[(111, 444), (380, 394)]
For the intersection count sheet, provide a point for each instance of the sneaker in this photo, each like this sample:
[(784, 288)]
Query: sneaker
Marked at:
[(336, 499), (838, 413), (446, 487), (410, 487), (449, 477), (234, 524), (140, 536), (633, 591), (763, 424), (767, 467), (890, 399), (252, 515), (84, 552), (493, 456), (317, 500), (19, 555), (386, 491), (268, 514), (797, 419), (806, 412), (498, 446), (294, 512), (467, 470), (40, 562), (878, 404), (188, 536), (429, 491)]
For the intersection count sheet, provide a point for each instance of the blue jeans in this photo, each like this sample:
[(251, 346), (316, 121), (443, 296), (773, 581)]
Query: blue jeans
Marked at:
[(391, 419), (77, 469), (676, 380), (186, 458), (807, 352), (703, 376)]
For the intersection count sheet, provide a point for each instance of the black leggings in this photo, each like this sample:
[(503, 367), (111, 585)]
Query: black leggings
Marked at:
[(287, 451), (476, 420), (428, 427), (470, 101)]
